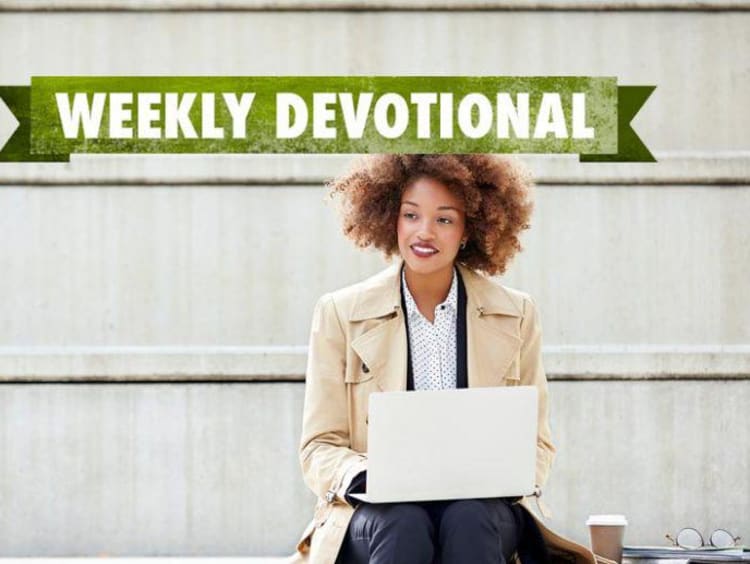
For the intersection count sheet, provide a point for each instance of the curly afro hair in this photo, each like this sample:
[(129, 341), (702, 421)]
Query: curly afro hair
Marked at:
[(496, 191)]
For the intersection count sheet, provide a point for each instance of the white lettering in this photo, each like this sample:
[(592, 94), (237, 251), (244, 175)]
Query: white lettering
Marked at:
[(446, 115), (423, 101), (516, 114), (550, 118), (208, 117), (80, 114), (465, 110), (580, 131), (177, 115), (119, 114), (239, 110), (322, 115), (147, 115), (401, 115), (286, 102), (355, 120)]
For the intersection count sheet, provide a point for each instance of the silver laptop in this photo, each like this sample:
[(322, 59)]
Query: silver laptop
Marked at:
[(451, 444)]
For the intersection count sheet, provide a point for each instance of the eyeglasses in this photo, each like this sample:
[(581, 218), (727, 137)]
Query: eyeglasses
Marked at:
[(691, 539)]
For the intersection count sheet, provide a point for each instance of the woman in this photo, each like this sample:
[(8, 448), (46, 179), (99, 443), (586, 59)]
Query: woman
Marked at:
[(431, 321)]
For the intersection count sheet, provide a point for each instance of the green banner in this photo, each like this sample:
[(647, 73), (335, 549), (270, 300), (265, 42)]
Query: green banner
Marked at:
[(59, 116)]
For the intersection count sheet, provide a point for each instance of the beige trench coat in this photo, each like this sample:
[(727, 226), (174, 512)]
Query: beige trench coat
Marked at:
[(358, 346)]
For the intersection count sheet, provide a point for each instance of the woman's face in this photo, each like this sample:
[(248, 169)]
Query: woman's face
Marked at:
[(431, 225)]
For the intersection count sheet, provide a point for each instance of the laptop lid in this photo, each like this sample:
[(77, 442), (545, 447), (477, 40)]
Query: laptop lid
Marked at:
[(451, 444)]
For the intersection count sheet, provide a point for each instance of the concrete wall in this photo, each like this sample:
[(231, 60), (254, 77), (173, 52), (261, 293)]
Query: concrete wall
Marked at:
[(154, 310), (164, 469)]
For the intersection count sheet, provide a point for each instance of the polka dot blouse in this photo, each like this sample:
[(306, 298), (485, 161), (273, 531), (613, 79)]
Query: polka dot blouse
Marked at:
[(433, 345)]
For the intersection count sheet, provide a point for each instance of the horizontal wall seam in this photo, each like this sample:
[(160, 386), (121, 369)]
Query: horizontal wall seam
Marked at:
[(301, 378), (366, 7), (269, 350), (262, 183), (674, 168), (282, 363)]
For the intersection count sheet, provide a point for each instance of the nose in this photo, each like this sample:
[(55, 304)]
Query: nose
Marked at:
[(425, 232)]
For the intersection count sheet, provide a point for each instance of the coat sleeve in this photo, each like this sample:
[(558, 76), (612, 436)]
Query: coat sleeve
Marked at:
[(328, 463), (532, 373)]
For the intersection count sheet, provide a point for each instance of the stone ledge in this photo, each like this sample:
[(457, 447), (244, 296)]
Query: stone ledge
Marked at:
[(682, 168), (287, 363), (373, 5)]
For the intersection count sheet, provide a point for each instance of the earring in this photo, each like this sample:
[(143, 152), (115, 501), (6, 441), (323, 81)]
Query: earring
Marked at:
[(463, 245)]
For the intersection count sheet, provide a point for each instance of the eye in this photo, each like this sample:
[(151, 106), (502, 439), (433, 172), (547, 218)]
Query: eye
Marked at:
[(410, 215), (445, 220)]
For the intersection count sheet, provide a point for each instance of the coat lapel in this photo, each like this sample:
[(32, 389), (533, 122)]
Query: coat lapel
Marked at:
[(491, 346), (382, 347), (383, 350), (491, 349)]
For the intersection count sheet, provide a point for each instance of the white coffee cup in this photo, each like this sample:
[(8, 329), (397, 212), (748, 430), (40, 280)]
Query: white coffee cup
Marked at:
[(607, 533)]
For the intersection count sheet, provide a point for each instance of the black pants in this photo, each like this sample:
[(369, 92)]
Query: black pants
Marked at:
[(476, 531)]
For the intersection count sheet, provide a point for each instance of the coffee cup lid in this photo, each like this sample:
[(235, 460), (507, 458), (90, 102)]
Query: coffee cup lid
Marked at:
[(606, 520)]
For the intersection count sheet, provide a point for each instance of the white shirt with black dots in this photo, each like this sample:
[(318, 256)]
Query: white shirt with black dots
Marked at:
[(433, 345)]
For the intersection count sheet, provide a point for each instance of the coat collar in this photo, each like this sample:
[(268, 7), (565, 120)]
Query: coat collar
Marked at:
[(382, 348), (380, 295)]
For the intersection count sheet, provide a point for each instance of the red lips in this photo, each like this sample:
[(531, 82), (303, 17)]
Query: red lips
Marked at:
[(423, 250)]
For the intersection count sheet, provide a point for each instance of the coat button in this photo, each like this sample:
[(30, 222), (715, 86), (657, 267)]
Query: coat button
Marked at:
[(365, 369)]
